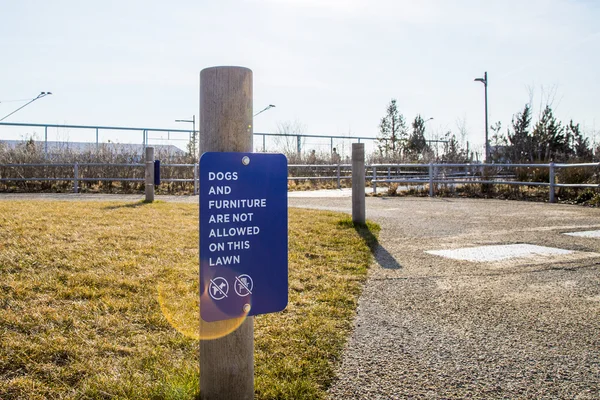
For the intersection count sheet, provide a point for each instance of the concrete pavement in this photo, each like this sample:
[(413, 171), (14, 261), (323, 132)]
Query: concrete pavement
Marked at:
[(433, 327)]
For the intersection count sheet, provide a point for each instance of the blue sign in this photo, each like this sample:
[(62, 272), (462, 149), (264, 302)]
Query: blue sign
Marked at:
[(243, 235), (156, 172)]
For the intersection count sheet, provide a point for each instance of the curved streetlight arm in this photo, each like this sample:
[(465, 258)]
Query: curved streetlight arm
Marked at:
[(39, 96), (193, 121), (264, 109)]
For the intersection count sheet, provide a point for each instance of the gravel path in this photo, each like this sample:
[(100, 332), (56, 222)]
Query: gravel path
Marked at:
[(431, 327)]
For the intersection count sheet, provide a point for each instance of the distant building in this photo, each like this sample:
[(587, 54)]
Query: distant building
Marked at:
[(136, 150)]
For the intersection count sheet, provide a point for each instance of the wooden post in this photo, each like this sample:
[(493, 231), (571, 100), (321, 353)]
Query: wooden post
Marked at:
[(358, 183), (149, 181), (552, 183), (226, 364), (373, 181), (431, 188), (75, 178)]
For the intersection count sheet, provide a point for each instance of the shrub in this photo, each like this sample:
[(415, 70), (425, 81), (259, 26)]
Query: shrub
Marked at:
[(575, 175), (31, 152), (393, 189)]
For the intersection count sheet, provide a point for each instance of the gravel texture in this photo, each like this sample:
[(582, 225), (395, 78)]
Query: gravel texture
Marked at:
[(433, 327)]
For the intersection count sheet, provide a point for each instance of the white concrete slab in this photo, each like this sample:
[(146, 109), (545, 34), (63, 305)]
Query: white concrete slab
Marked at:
[(499, 252), (589, 234), (346, 192)]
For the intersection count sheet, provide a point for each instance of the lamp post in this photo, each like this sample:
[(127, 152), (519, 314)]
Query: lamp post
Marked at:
[(193, 121), (39, 96), (484, 80), (193, 137), (264, 109)]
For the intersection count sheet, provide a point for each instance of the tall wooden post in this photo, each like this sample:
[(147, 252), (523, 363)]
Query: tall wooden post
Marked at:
[(431, 188), (149, 181), (358, 183), (552, 173), (226, 364)]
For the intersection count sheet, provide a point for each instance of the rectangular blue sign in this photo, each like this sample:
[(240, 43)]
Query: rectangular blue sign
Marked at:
[(243, 235)]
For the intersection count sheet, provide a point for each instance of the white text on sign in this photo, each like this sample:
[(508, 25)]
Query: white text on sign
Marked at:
[(241, 203), (226, 218), (229, 234)]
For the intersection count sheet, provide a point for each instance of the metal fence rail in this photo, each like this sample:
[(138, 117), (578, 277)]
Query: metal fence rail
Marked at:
[(146, 135), (76, 176), (491, 174), (413, 174)]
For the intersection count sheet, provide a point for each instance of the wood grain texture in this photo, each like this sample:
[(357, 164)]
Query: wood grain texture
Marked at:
[(358, 183), (149, 176), (227, 363)]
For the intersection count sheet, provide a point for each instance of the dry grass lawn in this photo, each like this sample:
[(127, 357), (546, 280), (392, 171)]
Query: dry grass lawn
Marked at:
[(99, 301)]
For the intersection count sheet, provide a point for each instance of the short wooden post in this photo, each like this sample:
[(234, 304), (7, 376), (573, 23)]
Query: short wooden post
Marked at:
[(373, 181), (75, 178), (358, 183), (149, 184), (430, 179), (552, 183), (45, 143), (226, 364)]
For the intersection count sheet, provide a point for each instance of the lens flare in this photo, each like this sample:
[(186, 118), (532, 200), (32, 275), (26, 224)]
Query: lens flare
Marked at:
[(179, 302)]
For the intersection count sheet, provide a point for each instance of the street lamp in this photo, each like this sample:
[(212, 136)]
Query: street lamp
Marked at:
[(264, 109), (431, 140), (193, 121), (484, 80), (39, 96), (193, 139)]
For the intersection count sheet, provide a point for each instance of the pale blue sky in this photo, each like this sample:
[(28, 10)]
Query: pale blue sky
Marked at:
[(332, 65)]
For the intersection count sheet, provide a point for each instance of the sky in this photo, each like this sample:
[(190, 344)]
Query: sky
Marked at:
[(329, 66)]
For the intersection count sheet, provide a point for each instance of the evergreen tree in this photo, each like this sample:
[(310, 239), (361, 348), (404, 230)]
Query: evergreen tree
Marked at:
[(416, 146), (392, 131), (452, 149), (549, 140), (192, 147), (499, 151), (578, 145), (521, 144)]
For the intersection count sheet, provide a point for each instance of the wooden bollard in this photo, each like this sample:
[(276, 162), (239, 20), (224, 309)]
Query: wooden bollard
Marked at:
[(227, 363), (358, 183), (149, 178)]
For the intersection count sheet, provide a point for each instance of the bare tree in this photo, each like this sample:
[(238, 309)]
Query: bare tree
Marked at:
[(290, 142)]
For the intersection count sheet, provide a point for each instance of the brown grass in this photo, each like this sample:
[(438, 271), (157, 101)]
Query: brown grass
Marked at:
[(81, 315)]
